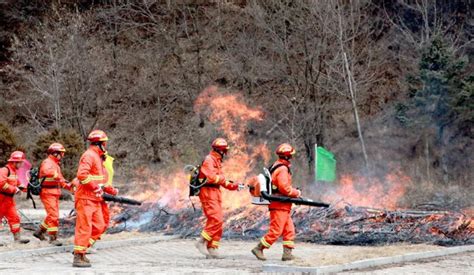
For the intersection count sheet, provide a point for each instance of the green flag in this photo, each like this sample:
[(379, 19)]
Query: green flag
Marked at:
[(325, 165)]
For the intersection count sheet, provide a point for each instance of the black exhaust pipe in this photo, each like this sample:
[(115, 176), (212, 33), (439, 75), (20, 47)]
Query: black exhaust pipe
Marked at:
[(298, 201)]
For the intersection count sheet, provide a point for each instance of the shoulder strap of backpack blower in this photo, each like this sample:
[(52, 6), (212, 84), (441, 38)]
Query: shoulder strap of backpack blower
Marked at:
[(37, 186), (272, 169)]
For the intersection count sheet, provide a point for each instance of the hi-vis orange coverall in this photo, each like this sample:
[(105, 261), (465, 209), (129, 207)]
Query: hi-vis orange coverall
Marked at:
[(281, 223), (211, 197), (109, 189), (89, 220), (50, 192), (8, 187)]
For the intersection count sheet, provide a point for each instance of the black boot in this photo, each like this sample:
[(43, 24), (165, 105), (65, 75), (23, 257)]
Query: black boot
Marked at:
[(18, 239), (39, 233)]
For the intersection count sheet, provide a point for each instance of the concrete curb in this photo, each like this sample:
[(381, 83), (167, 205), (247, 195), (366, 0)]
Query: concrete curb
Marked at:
[(362, 264), (69, 248)]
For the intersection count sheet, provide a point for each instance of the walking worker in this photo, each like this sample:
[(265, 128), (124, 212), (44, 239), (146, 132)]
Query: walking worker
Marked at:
[(281, 223), (88, 196), (211, 198), (52, 181), (9, 187), (109, 189)]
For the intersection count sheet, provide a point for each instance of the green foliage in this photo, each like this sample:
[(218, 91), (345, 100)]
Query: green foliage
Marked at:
[(7, 143), (73, 143), (440, 95)]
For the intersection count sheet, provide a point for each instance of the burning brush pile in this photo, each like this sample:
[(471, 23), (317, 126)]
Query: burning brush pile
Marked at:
[(339, 224), (168, 209)]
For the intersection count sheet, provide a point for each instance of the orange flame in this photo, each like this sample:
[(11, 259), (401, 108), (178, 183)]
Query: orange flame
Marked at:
[(361, 191), (232, 116)]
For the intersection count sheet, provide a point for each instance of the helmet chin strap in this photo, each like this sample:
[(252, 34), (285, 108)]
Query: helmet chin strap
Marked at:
[(100, 144), (101, 147), (56, 155), (220, 153)]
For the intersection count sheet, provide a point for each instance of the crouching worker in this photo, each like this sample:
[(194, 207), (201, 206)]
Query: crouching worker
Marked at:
[(9, 187), (211, 198), (281, 223)]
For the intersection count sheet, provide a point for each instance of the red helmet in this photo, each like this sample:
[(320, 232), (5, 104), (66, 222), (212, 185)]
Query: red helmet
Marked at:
[(17, 156), (97, 135), (56, 147), (285, 150), (220, 144)]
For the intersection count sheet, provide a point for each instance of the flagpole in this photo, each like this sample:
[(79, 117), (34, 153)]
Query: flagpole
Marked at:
[(315, 163)]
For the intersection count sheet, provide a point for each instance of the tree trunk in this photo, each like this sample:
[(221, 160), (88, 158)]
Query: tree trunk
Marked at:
[(355, 112)]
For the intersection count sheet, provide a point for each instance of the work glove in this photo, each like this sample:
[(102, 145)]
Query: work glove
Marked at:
[(231, 185), (98, 192), (111, 190), (298, 194), (17, 190), (241, 186), (69, 186)]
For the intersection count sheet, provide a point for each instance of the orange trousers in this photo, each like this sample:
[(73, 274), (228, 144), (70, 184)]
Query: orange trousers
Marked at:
[(281, 224), (51, 205), (106, 216), (215, 219), (8, 211), (89, 222)]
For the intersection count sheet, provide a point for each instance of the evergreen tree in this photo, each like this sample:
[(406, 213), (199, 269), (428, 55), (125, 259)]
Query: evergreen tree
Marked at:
[(441, 97)]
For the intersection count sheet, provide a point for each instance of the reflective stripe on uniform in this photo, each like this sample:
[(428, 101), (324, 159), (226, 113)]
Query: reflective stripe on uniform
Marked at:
[(80, 248), (91, 178), (44, 225), (86, 181), (52, 229), (215, 243), (15, 226), (206, 236), (288, 243), (217, 179), (91, 241), (5, 186), (264, 243)]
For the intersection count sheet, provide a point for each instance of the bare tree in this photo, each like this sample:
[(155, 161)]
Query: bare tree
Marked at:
[(64, 76)]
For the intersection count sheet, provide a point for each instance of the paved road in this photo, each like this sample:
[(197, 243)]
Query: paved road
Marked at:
[(455, 264), (180, 256)]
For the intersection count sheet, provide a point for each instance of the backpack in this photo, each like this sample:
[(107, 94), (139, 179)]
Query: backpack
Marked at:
[(263, 183), (34, 185), (195, 184)]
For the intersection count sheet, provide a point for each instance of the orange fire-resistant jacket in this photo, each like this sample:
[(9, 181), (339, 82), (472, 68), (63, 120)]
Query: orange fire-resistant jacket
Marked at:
[(212, 170), (8, 181), (281, 185), (91, 174), (8, 186), (53, 178)]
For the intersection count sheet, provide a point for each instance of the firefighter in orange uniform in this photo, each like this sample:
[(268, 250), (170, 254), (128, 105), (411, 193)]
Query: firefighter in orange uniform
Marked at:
[(52, 180), (109, 189), (88, 197), (281, 223), (211, 198), (9, 187)]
